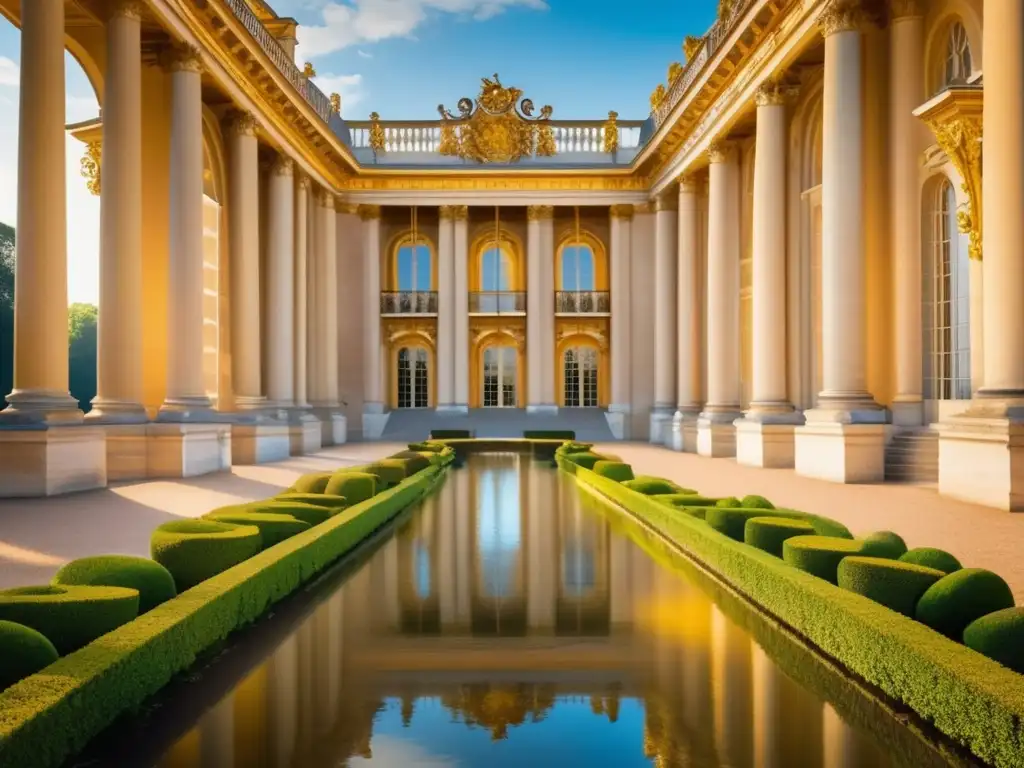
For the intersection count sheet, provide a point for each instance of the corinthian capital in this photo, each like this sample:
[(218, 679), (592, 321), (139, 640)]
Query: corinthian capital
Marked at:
[(282, 166), (721, 151), (182, 57), (775, 92), (126, 9), (369, 212), (842, 16), (905, 9), (540, 212), (240, 123)]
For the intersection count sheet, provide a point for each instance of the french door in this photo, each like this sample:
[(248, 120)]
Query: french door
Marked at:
[(579, 376), (413, 378), (499, 377)]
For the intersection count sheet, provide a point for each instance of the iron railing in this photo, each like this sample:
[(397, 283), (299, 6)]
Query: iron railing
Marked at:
[(583, 303), (497, 302), (408, 303)]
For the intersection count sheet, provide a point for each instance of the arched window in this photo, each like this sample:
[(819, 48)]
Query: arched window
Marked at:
[(495, 270), (413, 378), (957, 63), (413, 271), (947, 331), (578, 268), (580, 377)]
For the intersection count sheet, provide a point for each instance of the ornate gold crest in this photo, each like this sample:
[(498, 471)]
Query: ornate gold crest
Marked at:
[(497, 127)]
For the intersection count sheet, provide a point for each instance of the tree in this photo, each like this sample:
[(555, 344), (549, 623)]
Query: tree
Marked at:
[(82, 353)]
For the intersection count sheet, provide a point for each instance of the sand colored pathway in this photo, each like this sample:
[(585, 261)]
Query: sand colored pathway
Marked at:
[(37, 536), (980, 537)]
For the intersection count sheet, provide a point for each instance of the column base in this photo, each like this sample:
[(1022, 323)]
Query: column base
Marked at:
[(661, 425), (451, 409), (333, 426), (33, 407), (542, 409), (116, 412), (716, 435), (617, 417), (187, 450), (51, 460), (260, 443), (908, 412), (189, 410), (304, 432), (840, 451), (374, 421), (684, 430)]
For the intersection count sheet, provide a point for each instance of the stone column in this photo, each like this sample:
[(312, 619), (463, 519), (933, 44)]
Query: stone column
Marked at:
[(301, 281), (323, 223), (186, 398), (684, 422), (547, 337), (540, 303), (716, 435), (844, 439), (445, 309), (119, 359), (906, 90), (329, 309), (281, 284), (665, 244), (764, 437), (980, 453), (621, 258), (460, 215), (244, 244), (374, 417)]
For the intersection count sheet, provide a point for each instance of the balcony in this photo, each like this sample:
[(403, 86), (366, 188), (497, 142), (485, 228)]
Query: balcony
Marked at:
[(408, 303), (583, 303), (497, 303)]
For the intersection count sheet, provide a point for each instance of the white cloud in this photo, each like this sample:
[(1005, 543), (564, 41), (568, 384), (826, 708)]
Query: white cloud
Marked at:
[(10, 72), (369, 21), (349, 86), (365, 55)]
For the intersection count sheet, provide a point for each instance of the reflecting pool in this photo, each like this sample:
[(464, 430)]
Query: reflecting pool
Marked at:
[(512, 620)]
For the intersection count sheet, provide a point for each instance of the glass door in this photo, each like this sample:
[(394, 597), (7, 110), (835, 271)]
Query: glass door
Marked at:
[(499, 377), (413, 378), (580, 378)]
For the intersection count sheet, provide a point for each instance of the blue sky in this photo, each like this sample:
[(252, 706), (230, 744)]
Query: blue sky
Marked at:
[(402, 58)]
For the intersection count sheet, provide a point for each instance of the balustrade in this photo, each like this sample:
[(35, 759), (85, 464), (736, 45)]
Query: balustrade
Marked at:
[(408, 303), (583, 303), (497, 303)]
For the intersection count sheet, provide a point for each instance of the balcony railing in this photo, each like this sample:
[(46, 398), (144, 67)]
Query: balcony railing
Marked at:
[(582, 303), (282, 60), (497, 303), (408, 303)]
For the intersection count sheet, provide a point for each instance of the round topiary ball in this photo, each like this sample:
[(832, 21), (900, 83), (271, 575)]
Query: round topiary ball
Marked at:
[(885, 544), (23, 652), (961, 597), (756, 502), (153, 582), (354, 486), (614, 470), (894, 584), (195, 550), (314, 482), (585, 459), (999, 635), (732, 521), (414, 461), (274, 527), (932, 558)]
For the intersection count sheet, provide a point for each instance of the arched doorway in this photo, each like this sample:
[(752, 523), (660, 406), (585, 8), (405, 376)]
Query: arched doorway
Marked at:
[(500, 376), (413, 377), (580, 375)]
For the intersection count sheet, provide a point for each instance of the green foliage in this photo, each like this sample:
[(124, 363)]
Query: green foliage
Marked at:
[(574, 447), (732, 521), (651, 486), (274, 527), (887, 544), (414, 461), (195, 550), (354, 486), (730, 502), (450, 434), (753, 501), (614, 470), (998, 635), (154, 583), (82, 353), (389, 472), (549, 434), (894, 584), (959, 598), (821, 555), (428, 446), (69, 617), (696, 500), (23, 652), (587, 460), (313, 508), (314, 482), (769, 533), (932, 558), (671, 499)]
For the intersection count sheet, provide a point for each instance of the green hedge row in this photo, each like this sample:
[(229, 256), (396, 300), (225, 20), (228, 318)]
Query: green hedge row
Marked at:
[(970, 698), (209, 577)]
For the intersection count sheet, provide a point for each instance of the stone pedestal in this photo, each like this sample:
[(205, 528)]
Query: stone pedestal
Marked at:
[(260, 442), (333, 426), (374, 421), (127, 451), (47, 461), (617, 417), (661, 426), (187, 450), (305, 434), (684, 432), (766, 443), (840, 451), (907, 413), (716, 435), (981, 459)]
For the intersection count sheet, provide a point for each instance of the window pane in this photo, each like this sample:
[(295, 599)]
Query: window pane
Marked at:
[(405, 269), (404, 379), (506, 272), (569, 269), (585, 258), (489, 271), (422, 268)]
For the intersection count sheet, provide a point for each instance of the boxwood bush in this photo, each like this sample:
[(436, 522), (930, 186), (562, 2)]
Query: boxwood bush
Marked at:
[(613, 470), (354, 486), (195, 550), (23, 652), (821, 555), (154, 583), (274, 527), (314, 508), (69, 617), (753, 501), (887, 544), (313, 482), (389, 472), (651, 486), (932, 558), (959, 598), (769, 533), (414, 461), (1000, 636), (585, 459), (894, 584)]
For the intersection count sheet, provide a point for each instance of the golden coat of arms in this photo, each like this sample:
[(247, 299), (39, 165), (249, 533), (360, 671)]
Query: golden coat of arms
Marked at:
[(497, 127)]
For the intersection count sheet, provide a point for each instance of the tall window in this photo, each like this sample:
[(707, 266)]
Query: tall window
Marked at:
[(578, 268), (414, 272), (413, 387), (495, 270), (499, 531), (499, 377), (580, 376), (957, 65), (946, 293)]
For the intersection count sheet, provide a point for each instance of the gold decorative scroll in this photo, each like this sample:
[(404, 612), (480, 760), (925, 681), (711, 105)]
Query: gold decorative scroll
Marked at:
[(611, 134), (378, 141), (90, 166), (497, 127), (657, 97), (336, 103), (691, 45)]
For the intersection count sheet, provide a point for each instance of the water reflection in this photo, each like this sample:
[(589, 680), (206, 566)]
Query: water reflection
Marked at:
[(508, 624)]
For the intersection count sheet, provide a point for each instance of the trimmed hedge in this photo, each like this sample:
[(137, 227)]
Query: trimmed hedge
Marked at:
[(730, 502), (428, 446), (414, 461), (732, 521), (654, 486), (154, 583), (769, 533), (887, 544), (450, 434), (69, 617), (274, 528), (932, 558), (389, 472), (195, 550), (24, 652), (313, 508), (1000, 636), (678, 500), (614, 470), (586, 460), (753, 501), (574, 447), (354, 486), (696, 500), (892, 583), (549, 434), (314, 482), (820, 555), (961, 597)]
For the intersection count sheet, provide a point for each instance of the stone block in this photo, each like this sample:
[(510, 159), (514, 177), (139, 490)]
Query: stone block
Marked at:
[(187, 449), (840, 452), (50, 460)]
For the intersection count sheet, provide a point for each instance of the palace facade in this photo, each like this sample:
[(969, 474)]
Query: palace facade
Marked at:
[(785, 262)]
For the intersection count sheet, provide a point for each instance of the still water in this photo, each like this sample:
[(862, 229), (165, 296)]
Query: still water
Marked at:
[(514, 621)]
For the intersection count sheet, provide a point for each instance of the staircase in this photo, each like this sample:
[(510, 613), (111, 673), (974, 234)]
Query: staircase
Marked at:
[(410, 425), (913, 457)]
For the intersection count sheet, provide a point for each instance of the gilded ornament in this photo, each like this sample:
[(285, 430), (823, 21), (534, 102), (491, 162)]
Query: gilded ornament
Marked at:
[(621, 211), (539, 212), (308, 70), (689, 183), (720, 151), (666, 201), (182, 57), (841, 16), (127, 9), (610, 141), (454, 212), (657, 97), (240, 123), (725, 8), (445, 212), (343, 206), (369, 212), (774, 92), (378, 141), (282, 165), (336, 103), (91, 166), (691, 45), (675, 69), (304, 183), (497, 127), (960, 139), (646, 207)]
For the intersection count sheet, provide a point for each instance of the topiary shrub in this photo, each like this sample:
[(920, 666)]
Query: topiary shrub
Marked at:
[(69, 617), (427, 447), (821, 555), (732, 521), (586, 460), (769, 533), (694, 512), (414, 462), (354, 486), (154, 583), (314, 482), (195, 550), (274, 527), (932, 558), (894, 584), (887, 544), (614, 470), (23, 652), (574, 447), (312, 508), (611, 457), (389, 472), (753, 501), (998, 635), (730, 502), (825, 526), (961, 597), (654, 486), (696, 500)]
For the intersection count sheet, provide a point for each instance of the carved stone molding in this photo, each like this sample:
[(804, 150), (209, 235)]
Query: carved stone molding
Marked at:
[(240, 123), (369, 212), (304, 182), (643, 208), (842, 16), (126, 9), (540, 212), (460, 212), (282, 165), (905, 9), (343, 206), (325, 199), (621, 211), (667, 201), (182, 58), (91, 165), (776, 92), (689, 182), (721, 151)]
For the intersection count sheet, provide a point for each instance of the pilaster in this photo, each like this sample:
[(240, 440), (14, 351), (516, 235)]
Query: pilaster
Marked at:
[(374, 417), (665, 245), (688, 364), (619, 409), (540, 324)]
